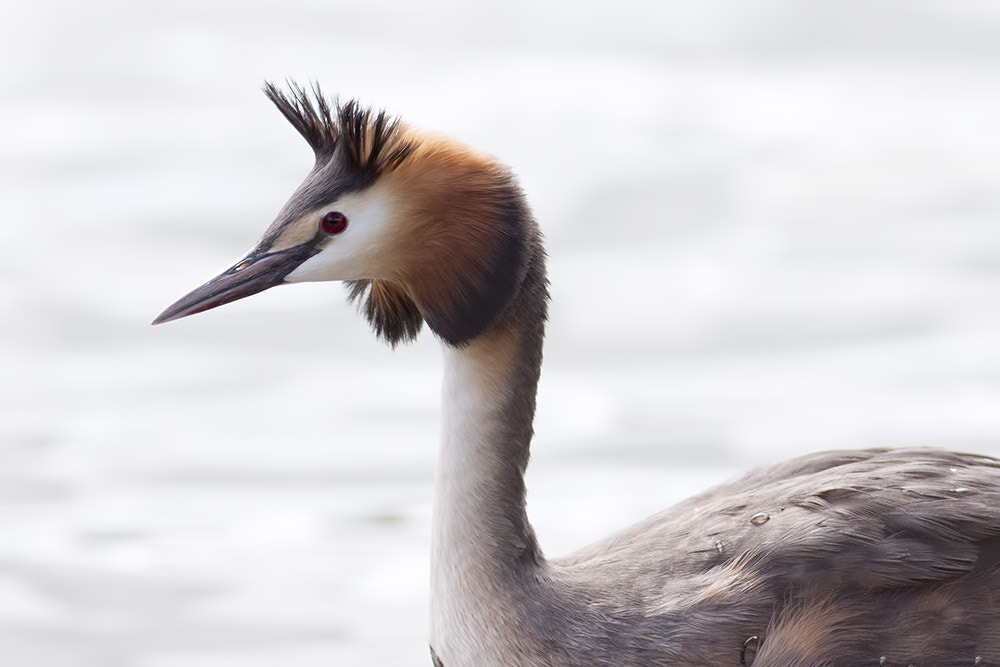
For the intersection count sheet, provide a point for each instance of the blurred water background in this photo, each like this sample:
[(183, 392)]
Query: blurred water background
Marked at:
[(773, 229)]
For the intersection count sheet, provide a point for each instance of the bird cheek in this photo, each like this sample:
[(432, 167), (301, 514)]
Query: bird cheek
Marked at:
[(326, 266)]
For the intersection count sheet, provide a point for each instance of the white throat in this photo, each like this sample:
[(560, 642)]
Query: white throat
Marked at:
[(479, 526)]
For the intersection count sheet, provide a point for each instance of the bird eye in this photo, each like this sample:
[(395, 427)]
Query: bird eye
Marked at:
[(333, 222)]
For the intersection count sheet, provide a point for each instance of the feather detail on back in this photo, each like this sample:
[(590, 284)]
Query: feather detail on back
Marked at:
[(837, 558)]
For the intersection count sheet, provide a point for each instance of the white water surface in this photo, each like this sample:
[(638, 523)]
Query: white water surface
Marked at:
[(774, 228)]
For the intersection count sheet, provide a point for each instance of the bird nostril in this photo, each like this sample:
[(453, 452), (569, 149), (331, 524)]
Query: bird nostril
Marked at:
[(242, 265)]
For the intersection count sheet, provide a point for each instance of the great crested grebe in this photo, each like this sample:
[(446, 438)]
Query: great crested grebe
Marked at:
[(869, 557)]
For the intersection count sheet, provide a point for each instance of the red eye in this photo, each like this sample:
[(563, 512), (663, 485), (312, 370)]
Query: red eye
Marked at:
[(334, 222)]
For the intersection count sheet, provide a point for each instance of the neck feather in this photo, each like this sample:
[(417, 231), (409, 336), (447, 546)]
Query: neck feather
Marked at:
[(484, 549)]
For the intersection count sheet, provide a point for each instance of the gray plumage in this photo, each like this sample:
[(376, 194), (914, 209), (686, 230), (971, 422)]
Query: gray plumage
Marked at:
[(864, 554)]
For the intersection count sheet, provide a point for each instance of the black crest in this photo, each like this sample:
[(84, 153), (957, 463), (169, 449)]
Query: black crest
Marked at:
[(371, 143)]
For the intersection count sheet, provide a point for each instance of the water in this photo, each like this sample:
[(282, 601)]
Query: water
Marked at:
[(772, 229)]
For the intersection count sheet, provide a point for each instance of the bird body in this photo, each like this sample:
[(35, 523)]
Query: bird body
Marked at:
[(842, 558)]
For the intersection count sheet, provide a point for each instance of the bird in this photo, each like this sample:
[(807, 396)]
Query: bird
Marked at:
[(853, 557)]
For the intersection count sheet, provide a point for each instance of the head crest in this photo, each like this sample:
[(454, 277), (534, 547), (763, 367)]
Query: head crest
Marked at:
[(371, 143)]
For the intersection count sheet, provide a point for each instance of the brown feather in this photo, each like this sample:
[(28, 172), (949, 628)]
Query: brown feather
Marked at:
[(460, 243), (391, 313)]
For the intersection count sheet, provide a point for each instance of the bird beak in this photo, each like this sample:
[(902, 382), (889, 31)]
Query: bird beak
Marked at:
[(254, 274)]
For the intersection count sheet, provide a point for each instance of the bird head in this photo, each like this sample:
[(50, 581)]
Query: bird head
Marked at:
[(422, 228)]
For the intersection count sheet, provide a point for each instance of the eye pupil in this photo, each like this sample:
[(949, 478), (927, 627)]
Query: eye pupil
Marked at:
[(334, 222)]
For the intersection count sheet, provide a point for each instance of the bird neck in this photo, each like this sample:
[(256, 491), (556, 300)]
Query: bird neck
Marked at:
[(484, 549)]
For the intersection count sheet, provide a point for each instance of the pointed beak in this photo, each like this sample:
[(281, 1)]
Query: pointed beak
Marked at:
[(254, 274)]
